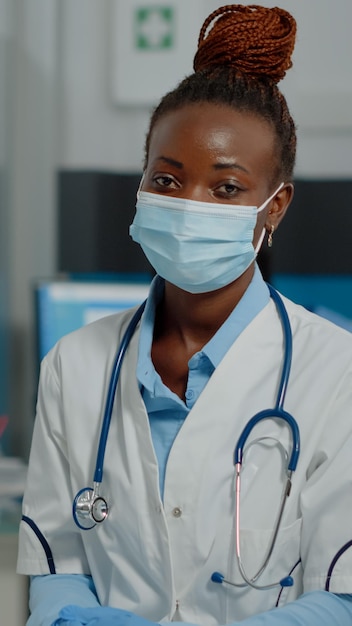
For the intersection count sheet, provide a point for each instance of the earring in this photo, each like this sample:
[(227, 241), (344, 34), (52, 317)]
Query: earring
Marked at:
[(270, 236)]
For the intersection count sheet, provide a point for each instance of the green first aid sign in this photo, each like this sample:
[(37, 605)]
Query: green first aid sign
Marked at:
[(154, 28)]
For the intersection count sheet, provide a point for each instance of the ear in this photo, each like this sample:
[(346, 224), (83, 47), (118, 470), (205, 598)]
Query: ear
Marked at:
[(278, 207)]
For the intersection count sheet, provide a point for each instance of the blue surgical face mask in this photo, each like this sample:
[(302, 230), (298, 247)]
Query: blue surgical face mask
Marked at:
[(198, 246)]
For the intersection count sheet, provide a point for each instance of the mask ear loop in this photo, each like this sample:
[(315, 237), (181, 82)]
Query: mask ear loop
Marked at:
[(260, 241), (140, 185), (262, 206)]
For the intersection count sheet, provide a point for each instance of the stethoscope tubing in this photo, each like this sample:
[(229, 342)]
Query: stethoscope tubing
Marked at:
[(270, 414), (288, 349), (110, 397), (276, 412)]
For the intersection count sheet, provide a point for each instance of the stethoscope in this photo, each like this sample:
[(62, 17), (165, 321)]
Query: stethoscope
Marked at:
[(90, 508), (277, 412)]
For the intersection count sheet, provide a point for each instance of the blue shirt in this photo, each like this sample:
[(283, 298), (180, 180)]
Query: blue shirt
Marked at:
[(165, 409)]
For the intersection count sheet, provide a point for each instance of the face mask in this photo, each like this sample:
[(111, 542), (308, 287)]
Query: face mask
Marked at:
[(198, 246)]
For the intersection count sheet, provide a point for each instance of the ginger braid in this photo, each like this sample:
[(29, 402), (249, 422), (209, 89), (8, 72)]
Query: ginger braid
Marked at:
[(243, 52), (256, 40)]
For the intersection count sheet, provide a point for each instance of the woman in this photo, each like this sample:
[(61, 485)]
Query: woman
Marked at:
[(207, 356)]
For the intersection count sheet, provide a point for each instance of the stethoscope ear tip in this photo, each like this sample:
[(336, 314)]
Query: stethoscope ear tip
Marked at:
[(216, 577), (287, 581)]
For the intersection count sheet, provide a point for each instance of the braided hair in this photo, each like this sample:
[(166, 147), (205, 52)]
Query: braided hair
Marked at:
[(243, 52)]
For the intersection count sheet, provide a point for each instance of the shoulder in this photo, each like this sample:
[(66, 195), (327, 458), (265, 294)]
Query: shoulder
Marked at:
[(300, 316), (95, 342), (314, 334)]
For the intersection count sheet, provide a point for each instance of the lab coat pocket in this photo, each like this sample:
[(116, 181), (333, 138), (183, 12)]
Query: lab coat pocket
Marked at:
[(284, 561)]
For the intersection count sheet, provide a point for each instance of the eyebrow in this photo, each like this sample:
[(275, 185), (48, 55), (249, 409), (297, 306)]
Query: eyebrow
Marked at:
[(216, 166), (170, 161), (230, 165)]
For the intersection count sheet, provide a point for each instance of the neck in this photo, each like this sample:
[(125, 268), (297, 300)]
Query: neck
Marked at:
[(197, 317)]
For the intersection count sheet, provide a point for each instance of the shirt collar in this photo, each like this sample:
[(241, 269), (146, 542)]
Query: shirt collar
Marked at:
[(252, 302)]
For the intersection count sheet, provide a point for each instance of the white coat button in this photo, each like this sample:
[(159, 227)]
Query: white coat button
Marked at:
[(177, 512)]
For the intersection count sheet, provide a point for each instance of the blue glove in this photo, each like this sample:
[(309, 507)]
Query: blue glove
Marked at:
[(62, 621), (99, 616)]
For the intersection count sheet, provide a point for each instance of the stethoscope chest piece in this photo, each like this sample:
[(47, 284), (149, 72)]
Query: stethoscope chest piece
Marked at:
[(89, 508)]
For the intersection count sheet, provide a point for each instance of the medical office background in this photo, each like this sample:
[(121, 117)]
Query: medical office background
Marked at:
[(78, 79)]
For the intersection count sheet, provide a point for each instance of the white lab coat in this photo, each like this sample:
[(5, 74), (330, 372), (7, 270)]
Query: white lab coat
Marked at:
[(150, 557)]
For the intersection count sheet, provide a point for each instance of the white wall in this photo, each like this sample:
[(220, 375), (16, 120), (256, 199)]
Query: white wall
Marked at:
[(63, 116), (31, 235), (5, 30), (98, 134)]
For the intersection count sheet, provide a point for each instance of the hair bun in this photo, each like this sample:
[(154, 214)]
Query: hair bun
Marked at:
[(255, 40)]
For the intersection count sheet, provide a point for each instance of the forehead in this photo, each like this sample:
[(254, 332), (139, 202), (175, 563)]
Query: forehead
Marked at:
[(207, 131)]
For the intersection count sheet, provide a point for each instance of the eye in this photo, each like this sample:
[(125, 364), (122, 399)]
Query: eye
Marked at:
[(227, 190), (164, 181)]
